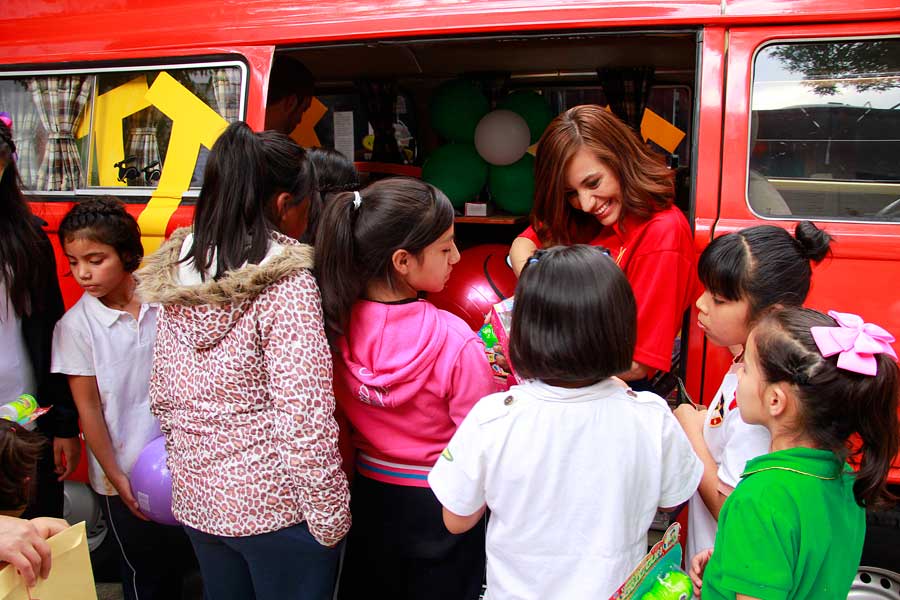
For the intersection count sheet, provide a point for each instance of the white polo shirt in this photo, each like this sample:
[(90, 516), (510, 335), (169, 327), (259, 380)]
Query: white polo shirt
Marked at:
[(573, 479), (93, 339), (731, 442)]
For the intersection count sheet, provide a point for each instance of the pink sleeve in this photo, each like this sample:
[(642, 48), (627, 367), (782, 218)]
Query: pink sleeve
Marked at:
[(471, 380), (300, 384)]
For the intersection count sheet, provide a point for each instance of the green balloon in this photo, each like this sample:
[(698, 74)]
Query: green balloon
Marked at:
[(532, 107), (512, 186), (458, 171), (456, 107)]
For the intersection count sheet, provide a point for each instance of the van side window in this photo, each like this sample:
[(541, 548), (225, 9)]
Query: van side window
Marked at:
[(121, 129), (825, 130)]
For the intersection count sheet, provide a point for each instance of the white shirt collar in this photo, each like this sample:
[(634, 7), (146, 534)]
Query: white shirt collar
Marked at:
[(552, 393), (106, 315)]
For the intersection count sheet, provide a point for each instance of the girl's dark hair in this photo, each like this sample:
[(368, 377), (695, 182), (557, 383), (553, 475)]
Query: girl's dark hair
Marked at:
[(355, 245), (574, 318), (235, 212), (764, 265), (20, 240), (20, 450), (647, 184), (103, 219), (834, 403), (335, 173)]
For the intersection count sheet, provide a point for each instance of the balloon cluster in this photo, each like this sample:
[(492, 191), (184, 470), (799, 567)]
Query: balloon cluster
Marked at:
[(485, 146)]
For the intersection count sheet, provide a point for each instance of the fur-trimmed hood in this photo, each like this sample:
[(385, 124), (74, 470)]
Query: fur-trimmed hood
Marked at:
[(206, 311)]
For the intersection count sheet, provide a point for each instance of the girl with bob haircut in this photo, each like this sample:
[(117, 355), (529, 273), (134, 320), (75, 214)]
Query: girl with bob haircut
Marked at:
[(406, 374), (813, 381), (571, 431), (597, 183), (745, 274), (241, 378)]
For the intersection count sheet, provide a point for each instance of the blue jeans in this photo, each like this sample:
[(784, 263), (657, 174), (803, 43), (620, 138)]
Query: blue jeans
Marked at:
[(284, 564)]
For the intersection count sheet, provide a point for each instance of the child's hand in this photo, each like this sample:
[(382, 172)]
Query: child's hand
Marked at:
[(500, 358), (66, 454), (698, 566), (690, 419), (123, 486)]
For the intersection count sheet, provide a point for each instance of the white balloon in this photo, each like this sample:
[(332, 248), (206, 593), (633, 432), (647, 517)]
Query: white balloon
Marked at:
[(502, 137)]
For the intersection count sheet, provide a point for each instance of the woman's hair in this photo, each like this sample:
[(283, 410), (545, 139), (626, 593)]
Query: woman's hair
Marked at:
[(103, 219), (335, 173), (355, 244), (645, 181), (834, 402), (236, 209), (20, 450), (20, 240), (764, 265), (574, 318)]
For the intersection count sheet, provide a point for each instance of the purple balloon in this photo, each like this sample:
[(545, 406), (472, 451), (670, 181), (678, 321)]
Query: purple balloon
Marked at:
[(151, 483)]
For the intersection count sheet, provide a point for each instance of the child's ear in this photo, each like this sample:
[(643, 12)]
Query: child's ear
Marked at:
[(282, 203), (400, 260), (776, 397)]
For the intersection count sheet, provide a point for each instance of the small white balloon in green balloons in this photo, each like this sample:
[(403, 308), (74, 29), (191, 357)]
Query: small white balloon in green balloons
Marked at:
[(502, 137)]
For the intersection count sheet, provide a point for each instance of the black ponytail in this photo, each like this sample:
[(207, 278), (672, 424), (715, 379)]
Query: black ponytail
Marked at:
[(335, 173), (235, 211), (835, 403), (764, 265), (20, 241), (355, 244)]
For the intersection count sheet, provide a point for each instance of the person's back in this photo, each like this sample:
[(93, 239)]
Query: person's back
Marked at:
[(572, 464), (574, 477)]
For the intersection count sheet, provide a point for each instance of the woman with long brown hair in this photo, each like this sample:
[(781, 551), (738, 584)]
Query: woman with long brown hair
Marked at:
[(597, 183)]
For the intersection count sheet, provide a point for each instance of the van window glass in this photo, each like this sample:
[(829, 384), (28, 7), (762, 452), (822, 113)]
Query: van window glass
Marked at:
[(119, 129), (825, 130)]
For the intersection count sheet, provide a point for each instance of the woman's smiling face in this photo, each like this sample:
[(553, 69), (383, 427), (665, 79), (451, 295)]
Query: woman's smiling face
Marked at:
[(593, 188)]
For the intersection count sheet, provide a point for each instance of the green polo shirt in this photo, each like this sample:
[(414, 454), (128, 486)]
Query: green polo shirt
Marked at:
[(790, 529)]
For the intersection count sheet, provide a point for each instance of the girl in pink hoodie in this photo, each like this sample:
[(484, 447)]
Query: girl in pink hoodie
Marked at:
[(405, 375)]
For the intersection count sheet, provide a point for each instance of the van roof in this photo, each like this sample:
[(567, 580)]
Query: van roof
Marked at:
[(53, 30)]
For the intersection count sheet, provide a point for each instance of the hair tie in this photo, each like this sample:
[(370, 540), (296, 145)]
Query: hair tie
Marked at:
[(357, 199), (856, 341)]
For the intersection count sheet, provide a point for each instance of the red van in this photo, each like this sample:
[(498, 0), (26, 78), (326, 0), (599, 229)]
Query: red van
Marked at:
[(789, 109)]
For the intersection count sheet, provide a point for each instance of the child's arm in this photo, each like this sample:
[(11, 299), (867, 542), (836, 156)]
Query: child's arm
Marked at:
[(459, 524), (90, 411), (691, 421), (472, 379)]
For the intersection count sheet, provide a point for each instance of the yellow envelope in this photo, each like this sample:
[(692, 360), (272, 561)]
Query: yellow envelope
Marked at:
[(71, 576)]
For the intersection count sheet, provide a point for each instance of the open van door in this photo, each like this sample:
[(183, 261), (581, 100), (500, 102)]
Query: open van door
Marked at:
[(811, 130)]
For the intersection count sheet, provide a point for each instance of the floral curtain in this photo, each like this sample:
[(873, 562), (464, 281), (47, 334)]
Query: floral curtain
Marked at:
[(60, 102), (627, 91)]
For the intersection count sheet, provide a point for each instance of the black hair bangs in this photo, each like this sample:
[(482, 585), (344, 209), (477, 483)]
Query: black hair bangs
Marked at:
[(724, 266)]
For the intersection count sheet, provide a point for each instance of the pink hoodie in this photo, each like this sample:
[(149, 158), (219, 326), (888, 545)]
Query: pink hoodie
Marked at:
[(406, 376)]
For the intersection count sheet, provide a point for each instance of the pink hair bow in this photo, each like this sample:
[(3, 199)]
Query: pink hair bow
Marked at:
[(7, 120), (857, 342)]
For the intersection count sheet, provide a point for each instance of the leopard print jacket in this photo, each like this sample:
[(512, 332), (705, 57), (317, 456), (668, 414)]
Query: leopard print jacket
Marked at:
[(242, 386)]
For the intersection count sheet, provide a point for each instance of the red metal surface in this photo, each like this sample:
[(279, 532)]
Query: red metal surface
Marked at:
[(706, 182), (44, 30)]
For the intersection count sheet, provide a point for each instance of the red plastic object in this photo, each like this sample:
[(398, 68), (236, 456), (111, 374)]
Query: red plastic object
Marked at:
[(479, 280)]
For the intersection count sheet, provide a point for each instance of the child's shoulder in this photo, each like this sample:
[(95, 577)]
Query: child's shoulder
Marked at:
[(646, 401), (78, 314), (496, 406), (454, 324)]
